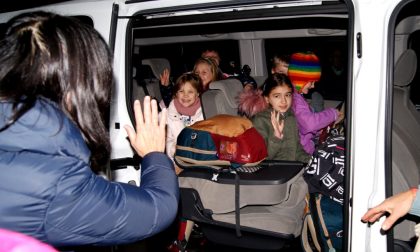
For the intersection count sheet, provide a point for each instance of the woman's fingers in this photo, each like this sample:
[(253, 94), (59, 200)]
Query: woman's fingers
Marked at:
[(149, 135), (155, 114), (163, 119), (147, 110), (138, 114), (130, 133)]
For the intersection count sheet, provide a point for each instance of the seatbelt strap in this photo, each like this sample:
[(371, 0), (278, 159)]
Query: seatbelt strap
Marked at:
[(237, 205), (321, 220)]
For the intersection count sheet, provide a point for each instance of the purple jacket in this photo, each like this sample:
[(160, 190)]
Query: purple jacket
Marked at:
[(310, 123)]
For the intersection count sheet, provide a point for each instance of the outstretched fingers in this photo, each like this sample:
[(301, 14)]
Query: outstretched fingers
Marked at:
[(163, 119), (147, 110), (149, 135), (155, 113)]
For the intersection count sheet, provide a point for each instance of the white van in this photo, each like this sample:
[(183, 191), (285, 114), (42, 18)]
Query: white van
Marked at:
[(378, 41)]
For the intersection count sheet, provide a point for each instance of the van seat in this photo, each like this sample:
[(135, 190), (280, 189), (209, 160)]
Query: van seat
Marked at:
[(154, 68), (221, 98), (157, 65), (405, 135), (138, 92), (260, 80)]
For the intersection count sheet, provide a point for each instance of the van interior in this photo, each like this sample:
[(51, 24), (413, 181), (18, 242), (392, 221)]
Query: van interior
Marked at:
[(245, 37), (249, 36)]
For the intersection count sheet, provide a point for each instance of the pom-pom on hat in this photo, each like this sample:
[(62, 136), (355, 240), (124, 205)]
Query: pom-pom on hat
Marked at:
[(303, 68)]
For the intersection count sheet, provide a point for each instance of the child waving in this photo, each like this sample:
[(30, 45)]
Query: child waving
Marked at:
[(277, 123)]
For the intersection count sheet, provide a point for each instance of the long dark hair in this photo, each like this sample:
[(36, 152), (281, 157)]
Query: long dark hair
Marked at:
[(66, 61)]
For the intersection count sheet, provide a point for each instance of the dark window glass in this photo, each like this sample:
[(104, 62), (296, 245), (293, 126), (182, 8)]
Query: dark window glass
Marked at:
[(415, 84), (182, 56), (332, 54)]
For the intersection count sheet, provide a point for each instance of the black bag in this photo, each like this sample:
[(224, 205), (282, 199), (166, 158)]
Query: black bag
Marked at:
[(323, 224), (325, 171)]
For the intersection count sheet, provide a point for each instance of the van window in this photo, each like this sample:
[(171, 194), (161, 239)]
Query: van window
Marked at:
[(414, 43), (241, 37), (404, 131), (182, 56), (248, 37)]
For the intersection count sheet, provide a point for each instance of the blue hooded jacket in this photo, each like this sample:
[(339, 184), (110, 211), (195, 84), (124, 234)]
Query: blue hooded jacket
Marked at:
[(48, 191)]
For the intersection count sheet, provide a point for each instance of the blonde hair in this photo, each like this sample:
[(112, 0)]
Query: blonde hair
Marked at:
[(210, 62)]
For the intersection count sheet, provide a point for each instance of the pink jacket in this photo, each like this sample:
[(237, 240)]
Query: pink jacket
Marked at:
[(310, 123), (13, 241)]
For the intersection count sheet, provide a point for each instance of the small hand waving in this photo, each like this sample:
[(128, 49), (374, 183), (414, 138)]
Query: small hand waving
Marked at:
[(164, 77), (278, 124)]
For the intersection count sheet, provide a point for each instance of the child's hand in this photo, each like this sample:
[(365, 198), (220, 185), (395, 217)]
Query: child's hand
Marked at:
[(340, 116), (164, 77), (278, 124)]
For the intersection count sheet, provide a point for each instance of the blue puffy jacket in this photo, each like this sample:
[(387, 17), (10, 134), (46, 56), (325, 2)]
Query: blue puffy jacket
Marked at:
[(48, 191)]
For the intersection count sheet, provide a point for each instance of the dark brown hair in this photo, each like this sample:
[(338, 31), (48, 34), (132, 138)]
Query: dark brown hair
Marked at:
[(274, 81), (190, 77), (66, 61)]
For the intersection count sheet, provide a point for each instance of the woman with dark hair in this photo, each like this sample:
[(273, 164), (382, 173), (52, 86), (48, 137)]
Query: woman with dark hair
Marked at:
[(56, 80)]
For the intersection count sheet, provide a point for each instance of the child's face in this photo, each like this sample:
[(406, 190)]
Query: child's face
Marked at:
[(307, 87), (187, 95), (280, 67), (204, 71), (280, 98)]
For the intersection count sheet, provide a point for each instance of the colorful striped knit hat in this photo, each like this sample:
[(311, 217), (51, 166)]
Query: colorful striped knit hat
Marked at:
[(303, 68)]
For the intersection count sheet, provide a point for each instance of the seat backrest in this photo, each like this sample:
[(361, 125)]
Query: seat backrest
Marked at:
[(138, 92), (405, 134), (260, 80), (405, 68), (221, 98), (157, 65), (152, 69)]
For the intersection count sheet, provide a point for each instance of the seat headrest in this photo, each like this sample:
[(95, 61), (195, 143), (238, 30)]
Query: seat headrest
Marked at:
[(405, 68), (230, 88), (157, 65), (145, 72)]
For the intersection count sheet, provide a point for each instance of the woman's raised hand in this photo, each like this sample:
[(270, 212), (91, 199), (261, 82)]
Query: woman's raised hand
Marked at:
[(150, 135)]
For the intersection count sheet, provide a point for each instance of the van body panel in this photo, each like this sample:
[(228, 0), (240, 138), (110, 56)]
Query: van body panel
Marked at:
[(370, 75)]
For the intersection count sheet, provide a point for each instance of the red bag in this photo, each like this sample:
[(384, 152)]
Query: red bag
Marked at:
[(248, 147), (220, 140)]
